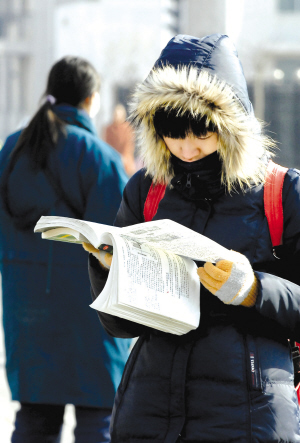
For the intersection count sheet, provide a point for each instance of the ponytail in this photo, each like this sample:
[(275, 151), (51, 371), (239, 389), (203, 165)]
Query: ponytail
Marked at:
[(39, 137)]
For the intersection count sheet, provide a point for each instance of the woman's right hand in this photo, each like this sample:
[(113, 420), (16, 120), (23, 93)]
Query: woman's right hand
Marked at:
[(103, 257)]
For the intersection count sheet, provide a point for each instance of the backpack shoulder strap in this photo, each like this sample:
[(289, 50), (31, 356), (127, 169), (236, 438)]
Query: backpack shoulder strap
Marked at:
[(273, 201), (155, 195), (274, 212)]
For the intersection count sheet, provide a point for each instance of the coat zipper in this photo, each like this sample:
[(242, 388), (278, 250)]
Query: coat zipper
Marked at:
[(188, 180)]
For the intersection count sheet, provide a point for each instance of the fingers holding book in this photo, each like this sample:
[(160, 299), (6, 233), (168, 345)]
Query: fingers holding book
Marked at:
[(104, 254), (89, 248)]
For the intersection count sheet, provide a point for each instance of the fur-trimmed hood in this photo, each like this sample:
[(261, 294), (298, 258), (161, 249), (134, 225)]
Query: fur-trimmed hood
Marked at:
[(203, 76)]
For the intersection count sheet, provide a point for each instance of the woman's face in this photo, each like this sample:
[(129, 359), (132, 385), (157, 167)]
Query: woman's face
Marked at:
[(190, 148)]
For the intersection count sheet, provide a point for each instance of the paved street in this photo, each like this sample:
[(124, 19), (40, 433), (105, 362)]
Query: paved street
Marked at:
[(8, 408)]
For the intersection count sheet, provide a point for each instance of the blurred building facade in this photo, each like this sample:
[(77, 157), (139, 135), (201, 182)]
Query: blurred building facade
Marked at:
[(122, 38), (25, 53)]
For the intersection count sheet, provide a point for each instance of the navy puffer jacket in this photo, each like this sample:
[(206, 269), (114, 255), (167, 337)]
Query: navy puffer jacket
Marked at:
[(231, 380)]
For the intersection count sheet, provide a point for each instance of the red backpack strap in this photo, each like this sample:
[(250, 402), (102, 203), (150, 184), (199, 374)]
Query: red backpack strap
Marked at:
[(274, 212), (155, 195), (273, 201)]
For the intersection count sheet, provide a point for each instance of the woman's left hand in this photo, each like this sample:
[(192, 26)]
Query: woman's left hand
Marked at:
[(104, 258), (233, 282)]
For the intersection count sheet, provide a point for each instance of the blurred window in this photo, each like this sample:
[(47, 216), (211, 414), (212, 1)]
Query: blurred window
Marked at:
[(282, 110), (16, 6), (170, 15), (123, 94), (2, 27), (16, 70), (289, 5), (2, 84), (13, 18), (3, 113), (27, 5)]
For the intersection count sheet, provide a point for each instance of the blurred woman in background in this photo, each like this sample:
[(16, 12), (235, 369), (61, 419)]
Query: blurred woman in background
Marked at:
[(56, 350)]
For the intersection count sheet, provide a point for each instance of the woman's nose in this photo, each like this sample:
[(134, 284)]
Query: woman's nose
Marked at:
[(188, 151)]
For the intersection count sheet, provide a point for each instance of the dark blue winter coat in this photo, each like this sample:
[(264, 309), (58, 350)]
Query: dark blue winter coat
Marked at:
[(232, 379), (56, 350)]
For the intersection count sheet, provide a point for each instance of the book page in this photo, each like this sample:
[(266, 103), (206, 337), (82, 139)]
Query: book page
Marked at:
[(154, 281), (90, 232), (177, 239), (65, 235)]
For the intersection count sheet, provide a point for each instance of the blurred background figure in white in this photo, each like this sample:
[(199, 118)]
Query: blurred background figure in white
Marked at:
[(119, 134)]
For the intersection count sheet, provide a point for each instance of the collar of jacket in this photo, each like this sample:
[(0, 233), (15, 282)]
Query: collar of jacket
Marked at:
[(76, 117), (199, 180)]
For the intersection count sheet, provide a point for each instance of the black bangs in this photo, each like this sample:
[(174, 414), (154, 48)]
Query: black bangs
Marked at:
[(168, 123)]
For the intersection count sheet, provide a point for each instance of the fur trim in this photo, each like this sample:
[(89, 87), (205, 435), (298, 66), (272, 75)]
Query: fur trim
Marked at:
[(241, 144)]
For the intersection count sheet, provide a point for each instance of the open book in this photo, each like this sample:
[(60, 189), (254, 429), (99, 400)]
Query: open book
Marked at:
[(153, 278)]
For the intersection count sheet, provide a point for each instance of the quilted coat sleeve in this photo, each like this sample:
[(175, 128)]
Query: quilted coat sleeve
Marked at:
[(279, 297)]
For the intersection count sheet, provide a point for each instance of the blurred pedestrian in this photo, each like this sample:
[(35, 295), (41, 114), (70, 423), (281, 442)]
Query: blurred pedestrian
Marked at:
[(120, 136), (56, 350)]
